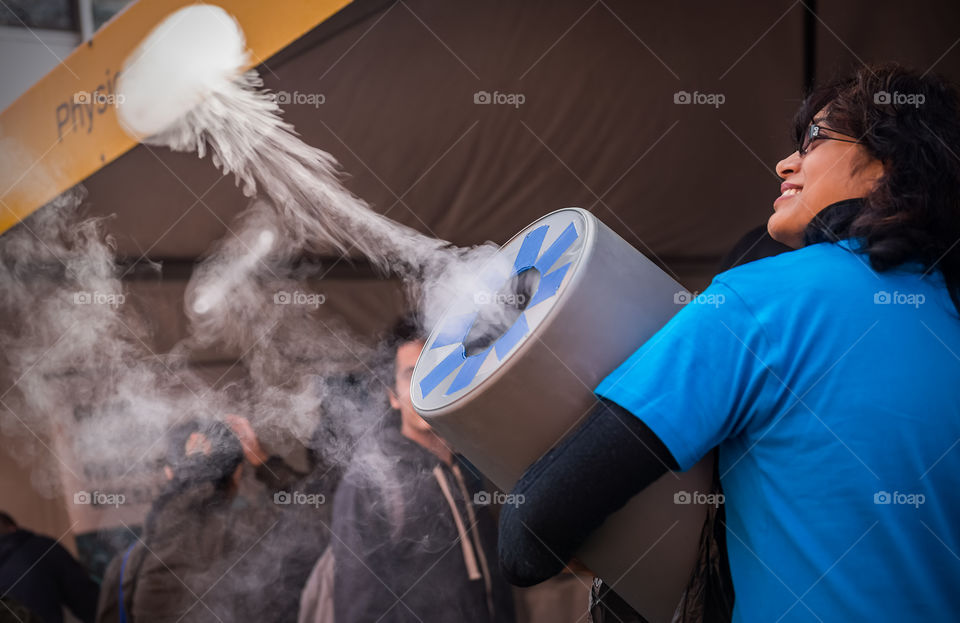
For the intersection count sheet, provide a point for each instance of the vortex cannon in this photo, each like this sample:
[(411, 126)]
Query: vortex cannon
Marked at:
[(508, 372)]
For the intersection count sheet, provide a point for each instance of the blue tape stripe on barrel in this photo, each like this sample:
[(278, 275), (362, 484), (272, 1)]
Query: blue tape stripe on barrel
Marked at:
[(444, 369), (468, 371), (552, 254), (530, 249), (513, 335), (454, 330), (549, 284)]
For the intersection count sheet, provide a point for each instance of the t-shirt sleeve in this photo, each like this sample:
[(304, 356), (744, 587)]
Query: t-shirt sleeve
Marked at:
[(702, 378)]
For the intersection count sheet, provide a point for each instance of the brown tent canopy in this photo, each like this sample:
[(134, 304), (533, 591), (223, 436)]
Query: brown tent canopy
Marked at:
[(586, 108)]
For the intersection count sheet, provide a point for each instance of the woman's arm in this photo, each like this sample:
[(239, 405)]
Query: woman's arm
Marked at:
[(572, 489)]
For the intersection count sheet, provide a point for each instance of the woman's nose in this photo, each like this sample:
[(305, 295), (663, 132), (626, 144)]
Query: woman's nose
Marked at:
[(788, 165)]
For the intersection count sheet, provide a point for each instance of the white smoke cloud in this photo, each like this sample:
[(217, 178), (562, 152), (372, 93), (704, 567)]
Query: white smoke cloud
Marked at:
[(87, 375)]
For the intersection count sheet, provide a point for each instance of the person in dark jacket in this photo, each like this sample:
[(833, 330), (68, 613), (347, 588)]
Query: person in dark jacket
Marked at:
[(201, 555), (413, 539), (42, 576)]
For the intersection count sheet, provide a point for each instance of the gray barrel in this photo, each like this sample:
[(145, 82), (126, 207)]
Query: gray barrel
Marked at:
[(507, 373)]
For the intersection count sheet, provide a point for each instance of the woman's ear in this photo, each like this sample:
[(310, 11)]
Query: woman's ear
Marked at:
[(867, 174), (394, 400)]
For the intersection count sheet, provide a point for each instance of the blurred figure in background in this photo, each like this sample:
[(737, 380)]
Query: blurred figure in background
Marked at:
[(41, 575), (198, 557), (409, 542)]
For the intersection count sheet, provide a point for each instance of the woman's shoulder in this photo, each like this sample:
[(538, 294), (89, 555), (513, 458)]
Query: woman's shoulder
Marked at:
[(816, 271), (804, 259)]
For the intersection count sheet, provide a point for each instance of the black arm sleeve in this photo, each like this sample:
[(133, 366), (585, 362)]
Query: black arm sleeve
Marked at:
[(569, 491), (80, 592)]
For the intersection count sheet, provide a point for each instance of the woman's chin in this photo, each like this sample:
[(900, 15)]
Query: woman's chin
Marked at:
[(783, 231)]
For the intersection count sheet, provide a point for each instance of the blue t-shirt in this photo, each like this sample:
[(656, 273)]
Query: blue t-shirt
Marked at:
[(833, 393)]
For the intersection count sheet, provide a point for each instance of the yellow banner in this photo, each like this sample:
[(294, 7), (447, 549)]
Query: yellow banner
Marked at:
[(65, 127)]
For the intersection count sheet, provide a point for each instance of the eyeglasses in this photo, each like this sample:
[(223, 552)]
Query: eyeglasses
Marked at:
[(814, 133)]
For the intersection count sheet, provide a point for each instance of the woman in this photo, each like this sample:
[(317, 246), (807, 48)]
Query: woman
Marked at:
[(827, 377)]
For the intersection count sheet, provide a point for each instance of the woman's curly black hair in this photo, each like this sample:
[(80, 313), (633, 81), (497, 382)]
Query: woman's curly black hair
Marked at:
[(910, 122)]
